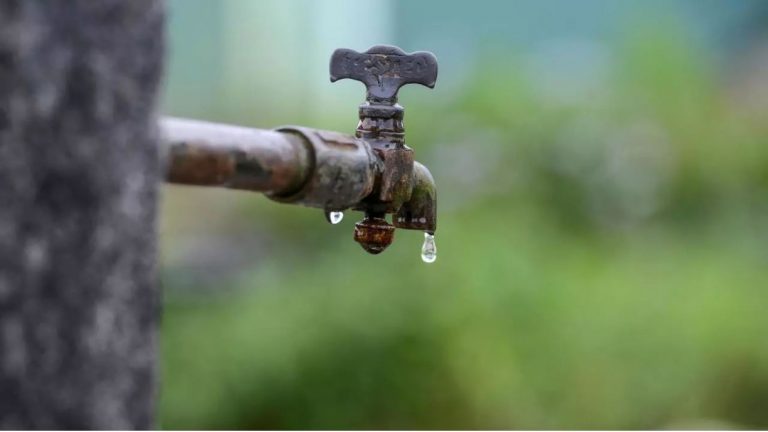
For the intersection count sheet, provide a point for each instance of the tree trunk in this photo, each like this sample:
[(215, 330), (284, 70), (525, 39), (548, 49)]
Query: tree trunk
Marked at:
[(79, 174)]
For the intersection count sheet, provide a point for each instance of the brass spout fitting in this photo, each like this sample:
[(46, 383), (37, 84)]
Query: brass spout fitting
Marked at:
[(373, 171)]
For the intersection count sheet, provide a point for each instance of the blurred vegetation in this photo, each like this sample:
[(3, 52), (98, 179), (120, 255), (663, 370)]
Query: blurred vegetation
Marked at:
[(602, 263)]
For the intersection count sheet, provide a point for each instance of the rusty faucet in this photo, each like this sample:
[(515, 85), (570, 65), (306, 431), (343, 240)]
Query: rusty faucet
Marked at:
[(372, 171)]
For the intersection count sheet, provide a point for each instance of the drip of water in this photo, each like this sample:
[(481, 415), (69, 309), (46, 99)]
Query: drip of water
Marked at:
[(334, 217), (429, 250)]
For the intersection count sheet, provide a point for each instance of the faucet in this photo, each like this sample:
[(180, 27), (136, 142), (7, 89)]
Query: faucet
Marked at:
[(373, 171)]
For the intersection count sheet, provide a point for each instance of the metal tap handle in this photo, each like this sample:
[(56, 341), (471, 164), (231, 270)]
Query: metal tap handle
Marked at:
[(384, 69)]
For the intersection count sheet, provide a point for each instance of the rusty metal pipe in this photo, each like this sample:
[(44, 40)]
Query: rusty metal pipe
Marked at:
[(292, 164), (209, 154)]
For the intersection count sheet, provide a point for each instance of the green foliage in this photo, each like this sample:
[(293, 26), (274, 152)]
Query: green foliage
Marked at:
[(600, 265)]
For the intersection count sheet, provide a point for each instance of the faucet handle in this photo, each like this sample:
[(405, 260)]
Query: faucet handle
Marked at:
[(384, 69)]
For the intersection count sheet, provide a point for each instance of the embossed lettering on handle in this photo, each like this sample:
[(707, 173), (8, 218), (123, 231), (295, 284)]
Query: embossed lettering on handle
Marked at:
[(384, 69)]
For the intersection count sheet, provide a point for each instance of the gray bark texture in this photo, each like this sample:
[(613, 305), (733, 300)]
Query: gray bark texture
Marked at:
[(79, 174)]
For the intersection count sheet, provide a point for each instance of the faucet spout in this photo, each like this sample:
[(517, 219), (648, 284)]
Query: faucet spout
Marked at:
[(420, 211)]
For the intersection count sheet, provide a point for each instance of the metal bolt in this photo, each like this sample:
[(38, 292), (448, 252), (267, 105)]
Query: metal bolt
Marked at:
[(374, 234)]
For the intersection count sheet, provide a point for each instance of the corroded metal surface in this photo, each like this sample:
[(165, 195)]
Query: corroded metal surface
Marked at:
[(343, 173), (403, 187), (374, 234), (420, 211), (384, 69), (209, 154), (373, 171)]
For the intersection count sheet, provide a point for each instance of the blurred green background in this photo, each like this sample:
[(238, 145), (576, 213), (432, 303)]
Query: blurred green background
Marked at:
[(603, 226)]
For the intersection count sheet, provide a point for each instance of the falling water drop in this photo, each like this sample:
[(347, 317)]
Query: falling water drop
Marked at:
[(429, 250), (334, 217)]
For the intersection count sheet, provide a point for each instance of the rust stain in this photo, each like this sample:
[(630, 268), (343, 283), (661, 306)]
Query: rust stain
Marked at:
[(199, 165), (374, 234)]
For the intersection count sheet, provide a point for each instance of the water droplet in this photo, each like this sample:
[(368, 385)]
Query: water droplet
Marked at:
[(334, 217), (429, 250)]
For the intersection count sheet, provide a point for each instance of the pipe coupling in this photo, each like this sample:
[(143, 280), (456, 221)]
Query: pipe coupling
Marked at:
[(342, 170)]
